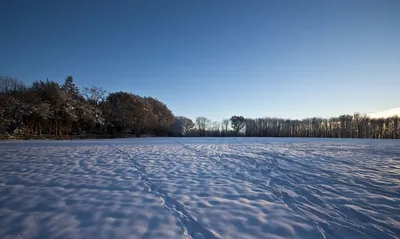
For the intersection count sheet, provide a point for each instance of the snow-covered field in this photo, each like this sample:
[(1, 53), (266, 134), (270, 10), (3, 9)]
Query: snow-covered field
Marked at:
[(200, 188)]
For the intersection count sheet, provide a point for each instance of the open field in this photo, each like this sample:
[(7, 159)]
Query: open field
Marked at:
[(200, 188)]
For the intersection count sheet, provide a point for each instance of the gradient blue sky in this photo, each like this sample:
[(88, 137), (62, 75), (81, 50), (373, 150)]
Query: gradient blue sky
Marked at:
[(214, 58)]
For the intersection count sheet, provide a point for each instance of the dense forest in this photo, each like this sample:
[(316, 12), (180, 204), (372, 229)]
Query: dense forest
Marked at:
[(47, 109)]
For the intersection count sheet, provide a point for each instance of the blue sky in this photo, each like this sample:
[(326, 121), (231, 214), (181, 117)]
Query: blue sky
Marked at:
[(214, 58)]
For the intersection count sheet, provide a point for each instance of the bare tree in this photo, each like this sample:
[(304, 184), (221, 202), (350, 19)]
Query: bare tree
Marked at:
[(95, 95), (225, 126), (10, 84), (215, 129), (202, 123), (396, 130)]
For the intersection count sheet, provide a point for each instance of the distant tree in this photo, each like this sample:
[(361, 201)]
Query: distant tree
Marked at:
[(250, 127), (182, 126), (176, 128), (127, 111), (94, 95), (160, 118), (9, 84), (202, 123), (62, 112), (237, 123), (188, 125), (74, 107), (396, 130), (215, 129), (225, 126), (359, 125), (8, 105), (70, 88)]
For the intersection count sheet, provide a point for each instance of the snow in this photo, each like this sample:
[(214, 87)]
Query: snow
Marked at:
[(200, 188)]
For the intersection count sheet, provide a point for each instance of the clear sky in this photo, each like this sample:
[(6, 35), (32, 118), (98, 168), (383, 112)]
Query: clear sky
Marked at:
[(214, 58)]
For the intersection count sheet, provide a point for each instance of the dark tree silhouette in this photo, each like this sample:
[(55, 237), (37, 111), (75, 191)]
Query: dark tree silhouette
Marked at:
[(237, 123)]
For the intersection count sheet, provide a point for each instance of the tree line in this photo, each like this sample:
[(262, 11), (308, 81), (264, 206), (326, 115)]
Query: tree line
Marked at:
[(49, 109), (345, 126)]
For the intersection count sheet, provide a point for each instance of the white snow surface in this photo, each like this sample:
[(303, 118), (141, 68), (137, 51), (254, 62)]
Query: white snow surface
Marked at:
[(200, 188)]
